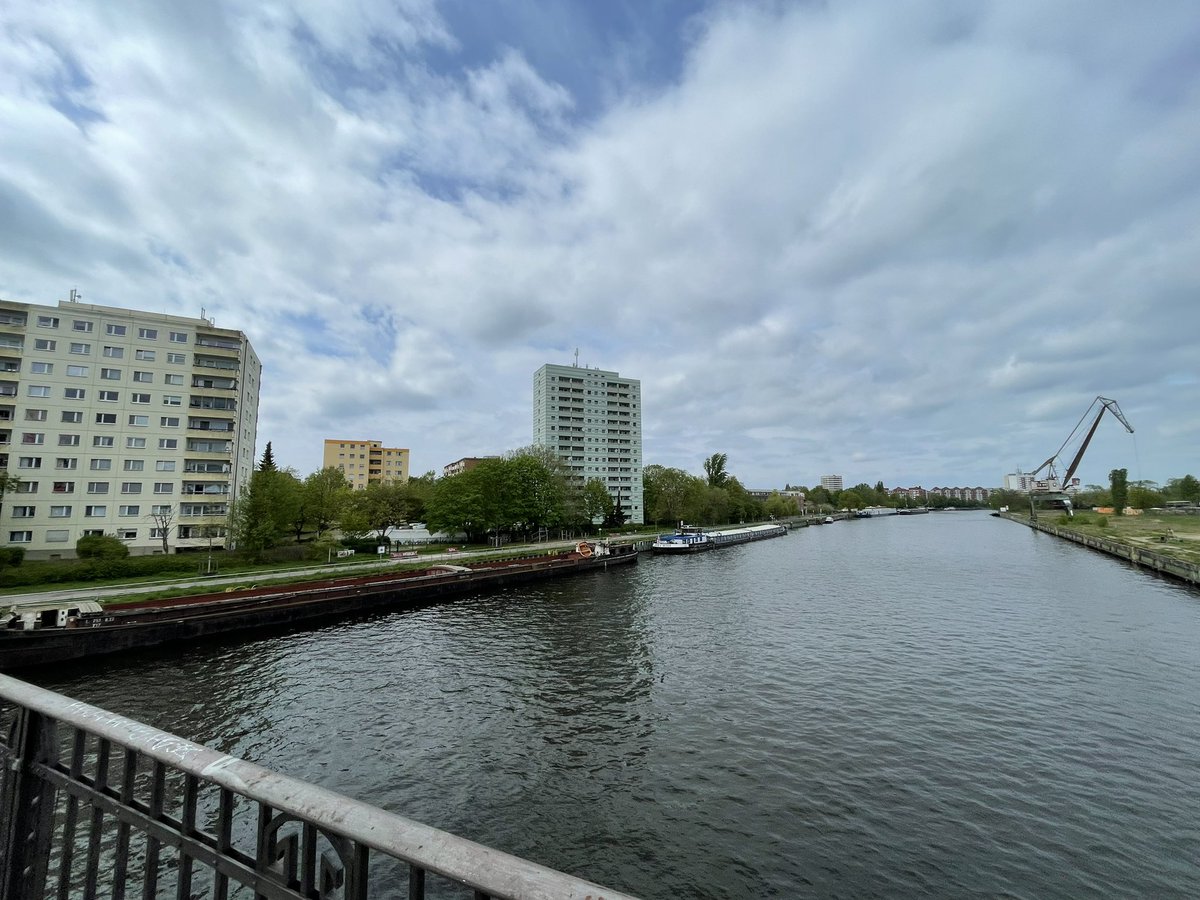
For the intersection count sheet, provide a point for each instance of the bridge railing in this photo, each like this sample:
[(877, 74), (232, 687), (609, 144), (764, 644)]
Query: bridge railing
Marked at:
[(93, 803)]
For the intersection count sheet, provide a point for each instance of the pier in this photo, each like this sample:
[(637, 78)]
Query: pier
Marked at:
[(95, 803)]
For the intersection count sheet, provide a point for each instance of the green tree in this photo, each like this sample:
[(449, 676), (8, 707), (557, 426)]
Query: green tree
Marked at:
[(267, 463), (850, 500), (714, 470), (381, 505), (597, 502), (101, 546), (1118, 481), (668, 491), (325, 495), (1185, 488)]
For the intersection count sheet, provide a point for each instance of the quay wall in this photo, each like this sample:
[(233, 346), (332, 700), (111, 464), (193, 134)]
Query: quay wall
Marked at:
[(1167, 565)]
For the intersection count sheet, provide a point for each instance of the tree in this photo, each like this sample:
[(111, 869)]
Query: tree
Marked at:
[(597, 502), (850, 500), (1118, 479), (101, 546), (10, 482), (163, 515), (267, 464), (668, 490), (325, 495), (1185, 488), (714, 470)]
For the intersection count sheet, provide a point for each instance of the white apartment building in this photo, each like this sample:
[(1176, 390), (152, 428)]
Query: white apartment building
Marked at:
[(124, 422), (593, 420), (831, 483)]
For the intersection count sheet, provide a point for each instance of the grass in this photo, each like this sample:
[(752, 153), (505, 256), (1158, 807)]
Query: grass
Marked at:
[(1175, 536)]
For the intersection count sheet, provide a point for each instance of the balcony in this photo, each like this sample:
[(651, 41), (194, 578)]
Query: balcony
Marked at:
[(211, 383), (221, 425)]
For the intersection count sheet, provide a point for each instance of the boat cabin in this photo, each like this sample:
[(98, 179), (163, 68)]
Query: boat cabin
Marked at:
[(28, 616)]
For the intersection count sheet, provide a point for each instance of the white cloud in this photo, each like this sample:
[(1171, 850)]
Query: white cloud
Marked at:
[(898, 241)]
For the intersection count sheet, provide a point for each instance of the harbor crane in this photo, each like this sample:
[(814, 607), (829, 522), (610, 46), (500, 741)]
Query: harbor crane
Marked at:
[(1051, 490)]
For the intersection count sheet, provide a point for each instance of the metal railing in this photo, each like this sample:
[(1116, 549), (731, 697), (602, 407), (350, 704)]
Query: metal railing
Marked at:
[(94, 803)]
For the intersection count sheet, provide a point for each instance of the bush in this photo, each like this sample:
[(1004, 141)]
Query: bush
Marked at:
[(101, 546), (11, 556), (1102, 522)]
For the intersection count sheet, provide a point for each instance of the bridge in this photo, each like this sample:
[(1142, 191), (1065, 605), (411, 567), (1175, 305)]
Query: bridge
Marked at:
[(95, 803)]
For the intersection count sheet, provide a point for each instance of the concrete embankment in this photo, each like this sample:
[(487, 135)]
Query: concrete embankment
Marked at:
[(1166, 565)]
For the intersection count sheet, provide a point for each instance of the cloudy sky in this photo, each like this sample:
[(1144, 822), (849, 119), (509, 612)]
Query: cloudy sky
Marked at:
[(898, 240)]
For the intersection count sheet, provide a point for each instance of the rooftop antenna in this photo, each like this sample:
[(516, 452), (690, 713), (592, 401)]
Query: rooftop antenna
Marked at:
[(577, 357), (75, 295)]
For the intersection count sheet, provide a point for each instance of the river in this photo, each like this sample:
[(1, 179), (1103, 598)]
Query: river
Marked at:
[(944, 705)]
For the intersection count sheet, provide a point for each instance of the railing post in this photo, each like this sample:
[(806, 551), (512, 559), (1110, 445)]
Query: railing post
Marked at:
[(28, 812)]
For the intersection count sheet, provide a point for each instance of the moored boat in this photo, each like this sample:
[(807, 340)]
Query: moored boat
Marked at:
[(48, 632), (692, 539)]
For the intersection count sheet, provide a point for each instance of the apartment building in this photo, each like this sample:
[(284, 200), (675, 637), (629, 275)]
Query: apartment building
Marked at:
[(466, 464), (831, 483), (592, 419), (364, 462), (124, 422)]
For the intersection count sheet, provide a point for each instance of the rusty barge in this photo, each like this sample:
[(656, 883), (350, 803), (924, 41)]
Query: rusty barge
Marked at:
[(64, 631)]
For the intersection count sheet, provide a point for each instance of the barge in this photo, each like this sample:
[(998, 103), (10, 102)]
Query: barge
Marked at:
[(691, 539), (41, 632)]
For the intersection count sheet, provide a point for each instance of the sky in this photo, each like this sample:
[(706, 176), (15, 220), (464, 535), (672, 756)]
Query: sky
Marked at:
[(904, 241)]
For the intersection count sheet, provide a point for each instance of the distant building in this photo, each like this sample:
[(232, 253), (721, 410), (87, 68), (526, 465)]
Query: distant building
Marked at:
[(124, 422), (466, 464), (962, 493), (592, 420), (1018, 481), (831, 483), (366, 462)]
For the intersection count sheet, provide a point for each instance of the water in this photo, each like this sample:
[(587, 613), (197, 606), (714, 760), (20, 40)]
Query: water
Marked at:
[(944, 705)]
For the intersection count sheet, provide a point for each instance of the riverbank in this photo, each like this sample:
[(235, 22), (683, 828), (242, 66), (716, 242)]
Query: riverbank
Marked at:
[(1170, 546)]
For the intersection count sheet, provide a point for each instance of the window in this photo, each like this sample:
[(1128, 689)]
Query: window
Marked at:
[(110, 396), (95, 511), (154, 532), (26, 487), (97, 487), (23, 512), (177, 358), (29, 462), (164, 487), (131, 487), (135, 465), (144, 377), (148, 334), (127, 534), (39, 390), (35, 415), (101, 440), (57, 535), (173, 379), (78, 325), (164, 465), (114, 352), (139, 398), (33, 437), (60, 512), (68, 440), (106, 419), (160, 509), (147, 355), (169, 421), (178, 337), (168, 443), (63, 487), (44, 344), (87, 532), (101, 465), (118, 330), (81, 349), (77, 371), (66, 462), (129, 510), (41, 368), (47, 321), (74, 393), (172, 400), (139, 420), (72, 416), (135, 443), (20, 537), (110, 374)]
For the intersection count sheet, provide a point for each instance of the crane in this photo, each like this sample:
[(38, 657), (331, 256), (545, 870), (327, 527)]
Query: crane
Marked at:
[(1053, 491)]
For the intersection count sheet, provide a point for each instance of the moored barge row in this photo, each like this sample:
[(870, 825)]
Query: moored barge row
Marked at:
[(692, 539), (49, 632)]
